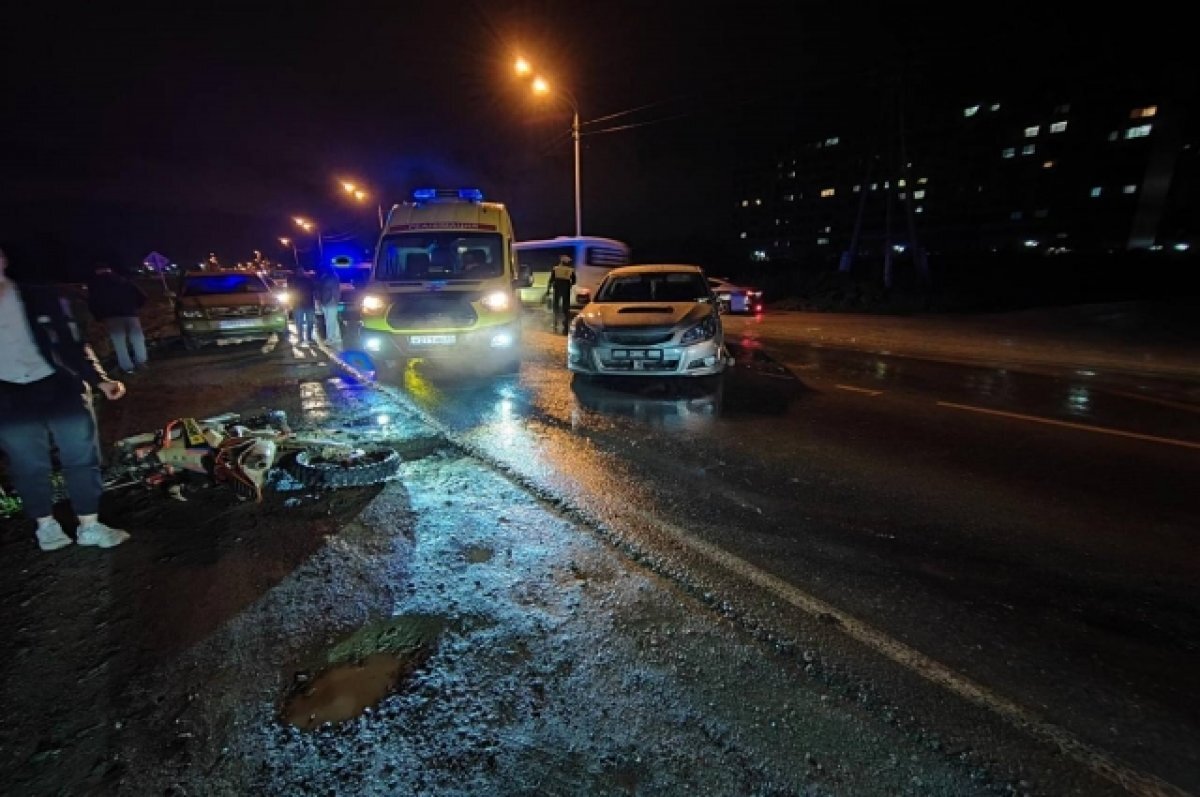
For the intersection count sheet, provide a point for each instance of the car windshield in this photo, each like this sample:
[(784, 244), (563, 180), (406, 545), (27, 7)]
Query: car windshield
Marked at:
[(210, 284), (654, 286), (440, 256)]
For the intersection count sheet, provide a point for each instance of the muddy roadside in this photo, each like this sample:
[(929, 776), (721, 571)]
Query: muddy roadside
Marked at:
[(536, 659)]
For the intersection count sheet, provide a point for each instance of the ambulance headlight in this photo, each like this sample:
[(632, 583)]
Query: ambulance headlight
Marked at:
[(496, 301), (372, 304)]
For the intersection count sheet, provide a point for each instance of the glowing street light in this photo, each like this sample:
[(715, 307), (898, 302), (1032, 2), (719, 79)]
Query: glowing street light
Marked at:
[(540, 85), (360, 195), (309, 226), (291, 243)]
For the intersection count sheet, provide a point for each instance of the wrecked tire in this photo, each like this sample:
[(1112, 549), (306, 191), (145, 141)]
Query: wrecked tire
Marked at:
[(313, 470)]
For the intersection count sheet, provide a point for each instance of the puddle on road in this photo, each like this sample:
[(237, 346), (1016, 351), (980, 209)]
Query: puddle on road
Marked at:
[(477, 554), (361, 670)]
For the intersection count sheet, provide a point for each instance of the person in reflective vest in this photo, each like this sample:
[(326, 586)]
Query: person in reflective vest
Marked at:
[(562, 277)]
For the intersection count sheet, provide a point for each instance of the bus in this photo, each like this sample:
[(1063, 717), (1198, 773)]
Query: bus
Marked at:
[(591, 256)]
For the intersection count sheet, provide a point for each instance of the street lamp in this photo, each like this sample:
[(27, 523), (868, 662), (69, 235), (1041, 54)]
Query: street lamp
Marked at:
[(541, 86), (291, 243), (361, 196), (309, 226)]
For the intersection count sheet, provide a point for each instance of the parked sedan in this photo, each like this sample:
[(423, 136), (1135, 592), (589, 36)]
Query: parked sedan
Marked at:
[(649, 321), (216, 305), (736, 298)]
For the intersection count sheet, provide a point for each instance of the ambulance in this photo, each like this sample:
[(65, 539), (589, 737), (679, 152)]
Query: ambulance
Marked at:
[(444, 284)]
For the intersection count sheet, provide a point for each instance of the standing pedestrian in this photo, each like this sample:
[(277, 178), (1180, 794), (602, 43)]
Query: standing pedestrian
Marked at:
[(562, 277), (329, 298), (114, 300), (303, 290), (46, 379)]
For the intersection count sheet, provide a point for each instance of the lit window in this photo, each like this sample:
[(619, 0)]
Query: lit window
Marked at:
[(1143, 113), (1129, 189), (777, 223), (904, 195), (1029, 149), (1015, 215), (1096, 191), (1010, 152), (743, 235), (1030, 132), (792, 173), (1031, 243), (828, 229), (758, 201), (874, 186), (857, 188), (822, 241), (827, 192), (995, 106), (1047, 164), (974, 109), (760, 255), (832, 142), (918, 209), (919, 194), (789, 197), (1058, 127), (1141, 131), (745, 203), (900, 183), (923, 180), (1113, 136)]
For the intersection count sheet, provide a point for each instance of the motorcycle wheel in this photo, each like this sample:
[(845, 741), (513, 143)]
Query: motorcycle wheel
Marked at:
[(374, 467)]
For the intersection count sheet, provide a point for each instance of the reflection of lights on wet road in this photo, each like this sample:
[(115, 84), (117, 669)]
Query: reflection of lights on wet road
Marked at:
[(419, 386), (1079, 401), (314, 401)]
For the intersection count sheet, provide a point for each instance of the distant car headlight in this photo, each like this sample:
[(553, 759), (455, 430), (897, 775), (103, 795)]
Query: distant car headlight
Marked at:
[(703, 331), (372, 304), (191, 314), (496, 301), (581, 331)]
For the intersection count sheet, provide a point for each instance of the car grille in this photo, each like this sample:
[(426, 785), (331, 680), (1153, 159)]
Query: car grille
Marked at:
[(633, 338), (237, 311), (432, 310)]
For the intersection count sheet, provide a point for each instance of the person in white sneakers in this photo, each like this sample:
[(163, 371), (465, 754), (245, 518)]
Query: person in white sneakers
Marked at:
[(46, 379)]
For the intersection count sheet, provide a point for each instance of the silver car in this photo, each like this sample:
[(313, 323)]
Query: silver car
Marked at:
[(649, 321)]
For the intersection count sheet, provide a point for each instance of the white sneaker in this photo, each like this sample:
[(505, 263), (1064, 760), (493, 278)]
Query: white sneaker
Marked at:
[(99, 534), (51, 537)]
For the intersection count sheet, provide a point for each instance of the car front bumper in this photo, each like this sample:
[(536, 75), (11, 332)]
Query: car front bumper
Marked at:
[(707, 358)]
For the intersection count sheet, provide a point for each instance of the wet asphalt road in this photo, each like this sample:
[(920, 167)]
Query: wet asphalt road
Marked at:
[(973, 515)]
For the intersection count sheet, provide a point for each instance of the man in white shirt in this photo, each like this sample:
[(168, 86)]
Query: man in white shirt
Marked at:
[(45, 405)]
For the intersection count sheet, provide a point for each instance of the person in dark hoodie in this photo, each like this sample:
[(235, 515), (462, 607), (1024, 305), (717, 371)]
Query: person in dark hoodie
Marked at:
[(47, 375), (114, 301)]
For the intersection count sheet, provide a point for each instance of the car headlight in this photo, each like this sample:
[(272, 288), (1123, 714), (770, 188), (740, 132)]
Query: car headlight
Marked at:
[(372, 305), (496, 301), (283, 297), (703, 331), (191, 314), (581, 331)]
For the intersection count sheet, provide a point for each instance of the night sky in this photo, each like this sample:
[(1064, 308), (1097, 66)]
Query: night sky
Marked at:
[(206, 128)]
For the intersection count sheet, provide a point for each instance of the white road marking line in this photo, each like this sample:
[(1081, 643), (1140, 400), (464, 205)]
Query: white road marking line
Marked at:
[(854, 389), (1068, 425), (1095, 759)]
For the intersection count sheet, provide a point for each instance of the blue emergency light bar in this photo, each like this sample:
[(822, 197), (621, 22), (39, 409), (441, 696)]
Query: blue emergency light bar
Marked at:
[(427, 194)]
